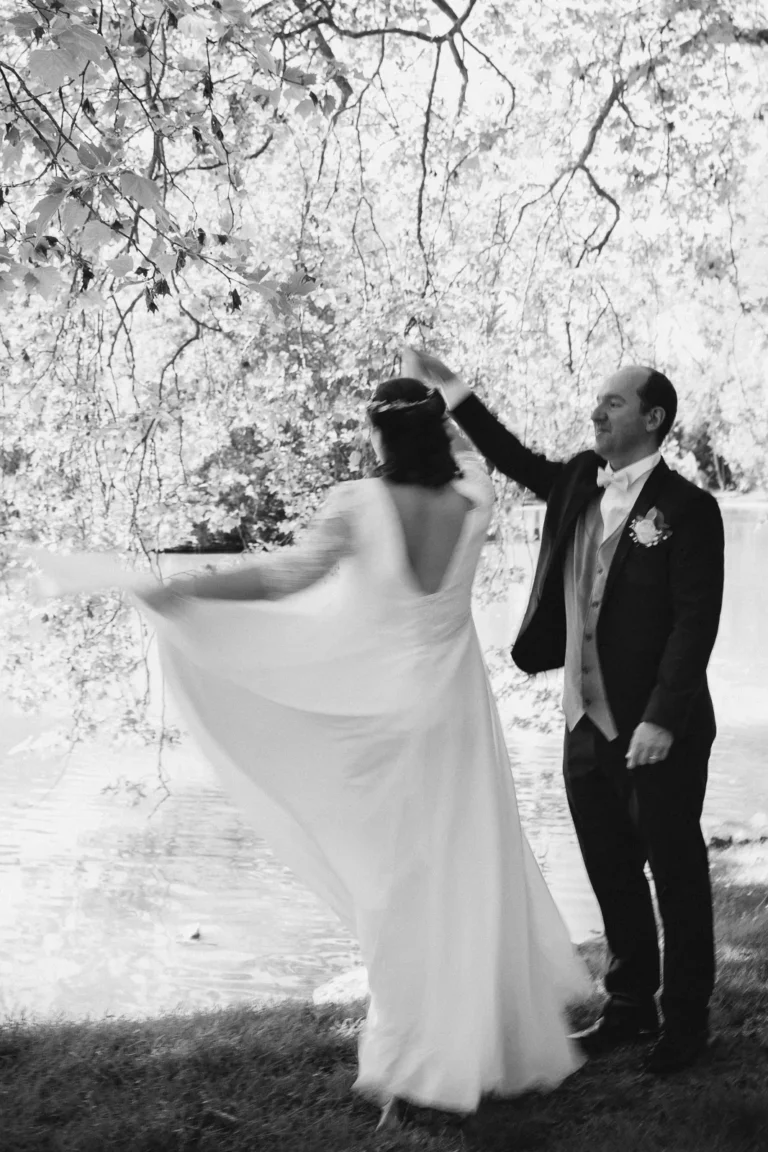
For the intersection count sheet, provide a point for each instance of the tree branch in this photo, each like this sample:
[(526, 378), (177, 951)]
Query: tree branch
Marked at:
[(341, 82), (601, 192), (423, 159)]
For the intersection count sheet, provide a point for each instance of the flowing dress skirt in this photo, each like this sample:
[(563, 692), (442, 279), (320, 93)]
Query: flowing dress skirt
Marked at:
[(375, 767)]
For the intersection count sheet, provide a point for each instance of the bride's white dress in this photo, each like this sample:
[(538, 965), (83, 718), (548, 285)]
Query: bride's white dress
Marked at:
[(354, 724)]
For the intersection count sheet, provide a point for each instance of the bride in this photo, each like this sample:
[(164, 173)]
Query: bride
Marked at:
[(340, 690)]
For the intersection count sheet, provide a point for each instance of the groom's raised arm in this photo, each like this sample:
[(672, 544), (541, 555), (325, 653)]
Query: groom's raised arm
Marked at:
[(500, 447), (503, 450)]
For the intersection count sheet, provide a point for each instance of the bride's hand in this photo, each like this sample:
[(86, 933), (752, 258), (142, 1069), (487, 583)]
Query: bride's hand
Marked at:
[(421, 366)]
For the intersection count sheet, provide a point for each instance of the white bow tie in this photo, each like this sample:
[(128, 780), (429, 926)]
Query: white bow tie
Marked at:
[(619, 480)]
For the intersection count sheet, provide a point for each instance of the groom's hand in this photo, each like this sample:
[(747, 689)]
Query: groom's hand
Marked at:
[(421, 366), (649, 745)]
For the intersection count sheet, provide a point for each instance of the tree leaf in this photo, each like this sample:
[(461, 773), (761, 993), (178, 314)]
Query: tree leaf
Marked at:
[(25, 23), (95, 234), (49, 282), (51, 67), (264, 58), (82, 43), (87, 155), (145, 192), (166, 262), (120, 265), (45, 210), (193, 26), (73, 215), (305, 108), (299, 285)]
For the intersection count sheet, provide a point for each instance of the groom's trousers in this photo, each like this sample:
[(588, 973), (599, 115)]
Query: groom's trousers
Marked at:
[(623, 819)]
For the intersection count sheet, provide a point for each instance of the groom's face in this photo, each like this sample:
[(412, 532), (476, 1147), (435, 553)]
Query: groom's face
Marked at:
[(621, 428)]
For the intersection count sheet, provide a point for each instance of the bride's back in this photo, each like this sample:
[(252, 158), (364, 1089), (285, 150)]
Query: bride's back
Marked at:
[(421, 501), (432, 520)]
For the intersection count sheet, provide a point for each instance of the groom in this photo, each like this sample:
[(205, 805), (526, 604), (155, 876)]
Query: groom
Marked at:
[(627, 597)]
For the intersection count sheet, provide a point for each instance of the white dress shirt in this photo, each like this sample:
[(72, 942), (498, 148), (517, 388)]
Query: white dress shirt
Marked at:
[(624, 488)]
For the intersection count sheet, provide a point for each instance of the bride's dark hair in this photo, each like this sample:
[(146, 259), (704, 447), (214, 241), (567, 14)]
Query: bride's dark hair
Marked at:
[(411, 420)]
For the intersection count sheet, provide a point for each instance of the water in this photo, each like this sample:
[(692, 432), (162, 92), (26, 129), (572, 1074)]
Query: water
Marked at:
[(112, 902)]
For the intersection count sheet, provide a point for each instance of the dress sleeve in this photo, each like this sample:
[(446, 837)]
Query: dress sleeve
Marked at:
[(327, 539), (273, 575)]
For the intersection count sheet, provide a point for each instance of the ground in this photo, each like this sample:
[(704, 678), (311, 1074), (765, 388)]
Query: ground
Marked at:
[(277, 1078)]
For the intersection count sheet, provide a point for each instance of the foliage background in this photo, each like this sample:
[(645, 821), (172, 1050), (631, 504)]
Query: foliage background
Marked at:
[(221, 220)]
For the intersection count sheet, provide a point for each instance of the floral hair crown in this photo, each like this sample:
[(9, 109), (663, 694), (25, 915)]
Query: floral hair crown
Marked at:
[(376, 407)]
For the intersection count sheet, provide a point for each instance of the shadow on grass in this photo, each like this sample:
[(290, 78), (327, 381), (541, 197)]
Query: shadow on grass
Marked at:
[(278, 1079)]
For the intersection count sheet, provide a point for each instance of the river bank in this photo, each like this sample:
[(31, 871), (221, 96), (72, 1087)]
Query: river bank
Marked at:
[(277, 1077), (130, 885)]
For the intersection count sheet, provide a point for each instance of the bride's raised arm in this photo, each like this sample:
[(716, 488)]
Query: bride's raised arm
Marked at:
[(273, 575)]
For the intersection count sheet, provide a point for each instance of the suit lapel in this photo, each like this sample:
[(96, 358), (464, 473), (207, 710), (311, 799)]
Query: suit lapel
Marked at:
[(645, 501), (584, 489), (582, 486)]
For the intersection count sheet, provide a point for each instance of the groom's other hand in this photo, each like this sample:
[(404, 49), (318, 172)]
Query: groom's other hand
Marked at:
[(649, 745)]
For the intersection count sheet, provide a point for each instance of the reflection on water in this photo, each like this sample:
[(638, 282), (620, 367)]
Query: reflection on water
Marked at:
[(108, 907), (110, 903)]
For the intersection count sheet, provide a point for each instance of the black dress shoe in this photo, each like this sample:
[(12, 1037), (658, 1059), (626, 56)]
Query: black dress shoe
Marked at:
[(615, 1030), (676, 1050)]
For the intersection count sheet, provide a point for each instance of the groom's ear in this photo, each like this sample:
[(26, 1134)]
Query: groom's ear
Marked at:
[(654, 419)]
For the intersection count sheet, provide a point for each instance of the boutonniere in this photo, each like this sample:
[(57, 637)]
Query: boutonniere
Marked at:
[(650, 529)]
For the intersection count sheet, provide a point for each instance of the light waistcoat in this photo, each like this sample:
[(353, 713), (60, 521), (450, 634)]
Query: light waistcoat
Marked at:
[(585, 570)]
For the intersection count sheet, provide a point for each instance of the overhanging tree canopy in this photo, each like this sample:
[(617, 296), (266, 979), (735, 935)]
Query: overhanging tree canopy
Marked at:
[(219, 219)]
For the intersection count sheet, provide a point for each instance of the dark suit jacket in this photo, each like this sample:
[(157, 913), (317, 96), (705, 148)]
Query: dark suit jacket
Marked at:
[(661, 609)]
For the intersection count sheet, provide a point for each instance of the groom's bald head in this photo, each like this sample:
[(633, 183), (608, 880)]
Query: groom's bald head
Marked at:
[(635, 410)]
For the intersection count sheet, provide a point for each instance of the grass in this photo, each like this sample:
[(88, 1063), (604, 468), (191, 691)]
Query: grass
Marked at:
[(277, 1078)]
